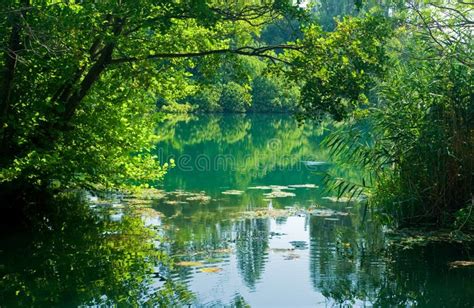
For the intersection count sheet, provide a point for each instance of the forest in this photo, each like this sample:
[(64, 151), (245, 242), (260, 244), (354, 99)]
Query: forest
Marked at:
[(177, 127)]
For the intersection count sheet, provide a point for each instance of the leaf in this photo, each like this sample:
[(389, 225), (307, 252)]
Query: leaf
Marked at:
[(190, 263), (211, 270)]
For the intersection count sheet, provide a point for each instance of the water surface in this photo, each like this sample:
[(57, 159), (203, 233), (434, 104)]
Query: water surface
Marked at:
[(246, 220)]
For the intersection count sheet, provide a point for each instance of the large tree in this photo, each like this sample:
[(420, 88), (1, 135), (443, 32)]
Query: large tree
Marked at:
[(80, 79)]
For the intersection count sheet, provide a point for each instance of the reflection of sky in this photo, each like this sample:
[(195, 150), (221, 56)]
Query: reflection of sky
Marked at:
[(285, 282)]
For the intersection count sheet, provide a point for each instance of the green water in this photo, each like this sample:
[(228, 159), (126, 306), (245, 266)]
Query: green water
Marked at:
[(245, 218)]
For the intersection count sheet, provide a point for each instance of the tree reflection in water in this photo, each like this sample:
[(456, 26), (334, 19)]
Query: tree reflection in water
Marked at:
[(251, 249), (352, 264), (76, 256)]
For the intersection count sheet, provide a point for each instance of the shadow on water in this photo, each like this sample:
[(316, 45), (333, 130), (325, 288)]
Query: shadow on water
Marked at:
[(74, 255)]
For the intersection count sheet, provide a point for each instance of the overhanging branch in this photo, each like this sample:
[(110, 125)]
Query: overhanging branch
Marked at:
[(245, 51)]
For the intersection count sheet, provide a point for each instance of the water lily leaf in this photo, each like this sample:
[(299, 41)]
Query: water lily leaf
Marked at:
[(223, 250), (232, 192), (190, 263), (211, 269), (279, 194)]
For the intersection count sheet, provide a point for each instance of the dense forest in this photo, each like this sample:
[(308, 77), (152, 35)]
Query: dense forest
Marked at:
[(79, 102), (89, 88)]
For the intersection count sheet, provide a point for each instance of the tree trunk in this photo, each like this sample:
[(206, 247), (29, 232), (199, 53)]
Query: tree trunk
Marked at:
[(72, 102)]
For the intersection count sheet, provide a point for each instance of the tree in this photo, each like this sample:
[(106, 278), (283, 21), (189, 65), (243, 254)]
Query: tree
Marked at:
[(235, 98), (81, 80), (337, 69)]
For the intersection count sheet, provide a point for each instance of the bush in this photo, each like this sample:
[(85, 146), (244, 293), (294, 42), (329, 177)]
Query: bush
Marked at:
[(235, 98)]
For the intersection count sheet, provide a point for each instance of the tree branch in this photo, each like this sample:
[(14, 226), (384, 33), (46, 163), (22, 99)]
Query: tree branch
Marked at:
[(245, 51)]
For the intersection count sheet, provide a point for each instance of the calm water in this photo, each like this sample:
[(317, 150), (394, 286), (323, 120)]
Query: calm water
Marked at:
[(246, 221)]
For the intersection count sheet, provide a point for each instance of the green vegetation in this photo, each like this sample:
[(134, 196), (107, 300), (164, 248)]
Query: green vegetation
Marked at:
[(91, 92), (83, 83), (412, 85), (80, 82), (78, 257)]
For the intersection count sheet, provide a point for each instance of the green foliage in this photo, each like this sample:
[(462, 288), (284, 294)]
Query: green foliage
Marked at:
[(327, 12), (80, 81), (418, 149), (207, 99), (271, 94), (428, 136), (235, 98), (338, 68)]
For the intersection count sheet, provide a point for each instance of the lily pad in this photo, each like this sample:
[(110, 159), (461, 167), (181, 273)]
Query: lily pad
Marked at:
[(150, 194), (281, 250), (279, 194), (326, 213), (190, 263), (223, 250), (233, 192), (301, 245), (199, 198), (260, 187), (175, 202), (211, 269)]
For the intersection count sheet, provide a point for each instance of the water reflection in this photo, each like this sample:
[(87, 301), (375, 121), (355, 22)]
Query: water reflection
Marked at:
[(76, 256), (251, 249), (297, 249), (214, 152), (323, 252)]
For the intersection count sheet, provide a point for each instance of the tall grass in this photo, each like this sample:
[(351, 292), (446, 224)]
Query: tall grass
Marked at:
[(419, 150)]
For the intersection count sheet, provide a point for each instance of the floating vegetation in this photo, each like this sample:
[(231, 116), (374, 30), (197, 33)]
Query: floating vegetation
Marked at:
[(139, 202), (223, 250), (264, 213), (260, 187), (326, 213), (271, 187), (279, 194), (276, 191), (303, 186), (175, 202), (180, 193), (148, 212), (278, 234), (339, 199), (233, 192), (408, 238), (190, 263), (201, 198), (149, 194), (279, 187), (213, 260), (211, 269), (460, 264)]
